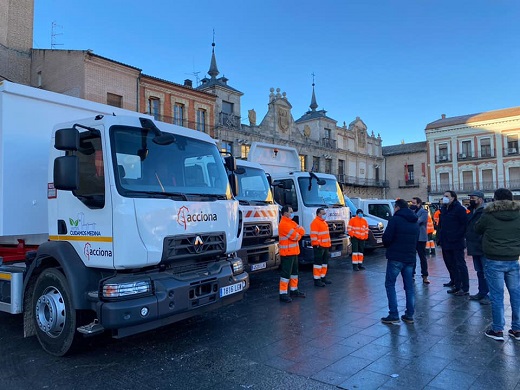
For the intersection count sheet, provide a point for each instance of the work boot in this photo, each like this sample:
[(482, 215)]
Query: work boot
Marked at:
[(325, 280), (425, 280), (361, 267), (285, 298), (297, 294), (432, 252), (319, 283), (355, 267)]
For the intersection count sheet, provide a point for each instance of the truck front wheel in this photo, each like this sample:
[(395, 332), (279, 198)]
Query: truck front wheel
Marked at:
[(54, 316)]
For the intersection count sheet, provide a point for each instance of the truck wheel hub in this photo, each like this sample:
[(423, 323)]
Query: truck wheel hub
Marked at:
[(50, 312)]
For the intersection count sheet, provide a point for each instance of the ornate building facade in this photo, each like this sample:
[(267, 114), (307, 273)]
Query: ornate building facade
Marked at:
[(474, 152)]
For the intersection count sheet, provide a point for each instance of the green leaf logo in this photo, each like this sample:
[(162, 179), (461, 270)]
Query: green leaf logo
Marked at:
[(73, 222)]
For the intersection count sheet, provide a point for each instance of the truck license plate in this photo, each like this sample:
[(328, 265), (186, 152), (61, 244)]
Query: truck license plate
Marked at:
[(256, 267), (335, 254), (234, 288), (379, 240)]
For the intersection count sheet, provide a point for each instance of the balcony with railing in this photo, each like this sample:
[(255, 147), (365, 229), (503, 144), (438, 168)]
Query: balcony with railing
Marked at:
[(231, 121), (362, 182), (465, 156), (511, 151), (328, 143), (442, 158), (486, 153), (203, 127), (408, 183), (487, 186)]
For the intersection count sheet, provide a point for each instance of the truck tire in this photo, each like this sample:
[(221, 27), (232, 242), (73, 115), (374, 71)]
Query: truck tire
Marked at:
[(55, 318)]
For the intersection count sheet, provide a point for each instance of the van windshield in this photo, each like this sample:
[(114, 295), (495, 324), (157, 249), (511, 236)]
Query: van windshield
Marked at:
[(314, 194), (186, 166)]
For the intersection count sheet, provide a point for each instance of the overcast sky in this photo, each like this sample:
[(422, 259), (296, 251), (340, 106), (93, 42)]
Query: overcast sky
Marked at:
[(397, 64)]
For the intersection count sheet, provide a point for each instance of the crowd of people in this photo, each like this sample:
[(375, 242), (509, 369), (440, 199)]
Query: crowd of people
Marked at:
[(488, 232)]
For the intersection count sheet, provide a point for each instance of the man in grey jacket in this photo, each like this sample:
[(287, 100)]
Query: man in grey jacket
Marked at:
[(422, 221), (500, 229)]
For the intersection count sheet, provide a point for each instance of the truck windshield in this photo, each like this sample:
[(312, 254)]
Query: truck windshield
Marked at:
[(186, 166), (328, 194), (253, 186)]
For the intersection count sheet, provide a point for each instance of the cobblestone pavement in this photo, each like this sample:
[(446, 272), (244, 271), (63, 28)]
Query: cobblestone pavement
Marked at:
[(331, 339)]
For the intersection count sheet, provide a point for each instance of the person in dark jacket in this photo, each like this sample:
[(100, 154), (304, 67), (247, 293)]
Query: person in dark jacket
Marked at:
[(400, 239), (474, 246), (453, 220), (422, 221), (500, 229)]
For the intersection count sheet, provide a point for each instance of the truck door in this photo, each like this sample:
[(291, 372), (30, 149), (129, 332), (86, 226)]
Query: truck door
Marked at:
[(84, 214)]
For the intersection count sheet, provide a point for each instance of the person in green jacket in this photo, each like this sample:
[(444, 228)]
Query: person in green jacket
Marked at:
[(500, 229)]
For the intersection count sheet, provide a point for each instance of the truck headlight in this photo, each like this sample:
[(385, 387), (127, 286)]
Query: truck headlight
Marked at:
[(118, 290), (237, 265)]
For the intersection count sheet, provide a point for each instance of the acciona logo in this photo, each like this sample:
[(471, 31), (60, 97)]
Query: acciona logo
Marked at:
[(184, 216), (89, 251)]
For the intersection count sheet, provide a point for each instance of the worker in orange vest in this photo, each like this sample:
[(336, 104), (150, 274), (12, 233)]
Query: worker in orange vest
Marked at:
[(290, 233), (436, 219), (320, 241), (430, 229), (357, 229)]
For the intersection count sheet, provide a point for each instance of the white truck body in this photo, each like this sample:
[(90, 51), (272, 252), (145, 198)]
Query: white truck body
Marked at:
[(132, 223), (302, 192), (379, 209), (259, 250)]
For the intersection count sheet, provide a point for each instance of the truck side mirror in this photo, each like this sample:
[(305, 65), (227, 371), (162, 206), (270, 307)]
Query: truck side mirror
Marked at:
[(66, 139), (231, 163), (65, 173), (233, 182)]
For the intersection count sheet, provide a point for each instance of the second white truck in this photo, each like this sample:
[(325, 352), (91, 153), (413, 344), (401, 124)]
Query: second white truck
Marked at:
[(305, 192)]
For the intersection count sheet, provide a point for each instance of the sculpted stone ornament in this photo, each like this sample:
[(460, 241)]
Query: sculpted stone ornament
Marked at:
[(307, 131), (251, 114), (361, 137), (283, 119)]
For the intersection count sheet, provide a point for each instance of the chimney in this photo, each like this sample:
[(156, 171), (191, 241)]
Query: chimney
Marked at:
[(443, 116), (188, 83)]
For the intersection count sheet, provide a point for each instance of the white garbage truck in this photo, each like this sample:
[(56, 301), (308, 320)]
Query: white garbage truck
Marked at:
[(305, 192), (110, 223), (259, 251)]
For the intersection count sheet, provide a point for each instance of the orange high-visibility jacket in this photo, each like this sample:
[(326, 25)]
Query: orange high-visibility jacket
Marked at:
[(358, 228), (436, 216), (289, 233), (320, 233), (429, 226)]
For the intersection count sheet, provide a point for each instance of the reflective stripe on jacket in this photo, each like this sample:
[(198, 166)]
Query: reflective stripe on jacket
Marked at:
[(358, 228), (289, 233), (320, 235)]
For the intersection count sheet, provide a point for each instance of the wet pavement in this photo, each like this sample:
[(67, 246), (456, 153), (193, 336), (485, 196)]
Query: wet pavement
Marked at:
[(331, 339)]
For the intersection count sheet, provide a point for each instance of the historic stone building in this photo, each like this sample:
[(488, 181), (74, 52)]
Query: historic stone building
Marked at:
[(350, 153), (474, 152), (16, 37), (406, 170)]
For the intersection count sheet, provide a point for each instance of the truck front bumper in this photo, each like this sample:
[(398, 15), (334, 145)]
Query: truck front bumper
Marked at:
[(174, 298), (260, 257)]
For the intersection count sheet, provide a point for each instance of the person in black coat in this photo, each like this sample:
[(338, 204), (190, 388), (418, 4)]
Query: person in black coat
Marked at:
[(453, 220), (400, 239), (474, 245)]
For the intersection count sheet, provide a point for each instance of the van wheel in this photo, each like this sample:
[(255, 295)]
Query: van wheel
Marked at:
[(55, 319)]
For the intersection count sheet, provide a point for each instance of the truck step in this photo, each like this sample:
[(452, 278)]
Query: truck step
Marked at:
[(91, 329)]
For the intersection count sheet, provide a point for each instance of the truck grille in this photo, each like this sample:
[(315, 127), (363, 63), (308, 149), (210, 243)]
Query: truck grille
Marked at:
[(195, 246), (378, 234), (336, 227), (257, 230)]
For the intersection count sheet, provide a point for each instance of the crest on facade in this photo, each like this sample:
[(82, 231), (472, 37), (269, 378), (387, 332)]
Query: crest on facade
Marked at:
[(307, 131), (362, 137), (283, 119)]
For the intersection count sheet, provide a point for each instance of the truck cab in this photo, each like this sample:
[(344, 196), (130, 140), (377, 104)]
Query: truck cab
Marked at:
[(305, 192), (376, 227), (259, 250)]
